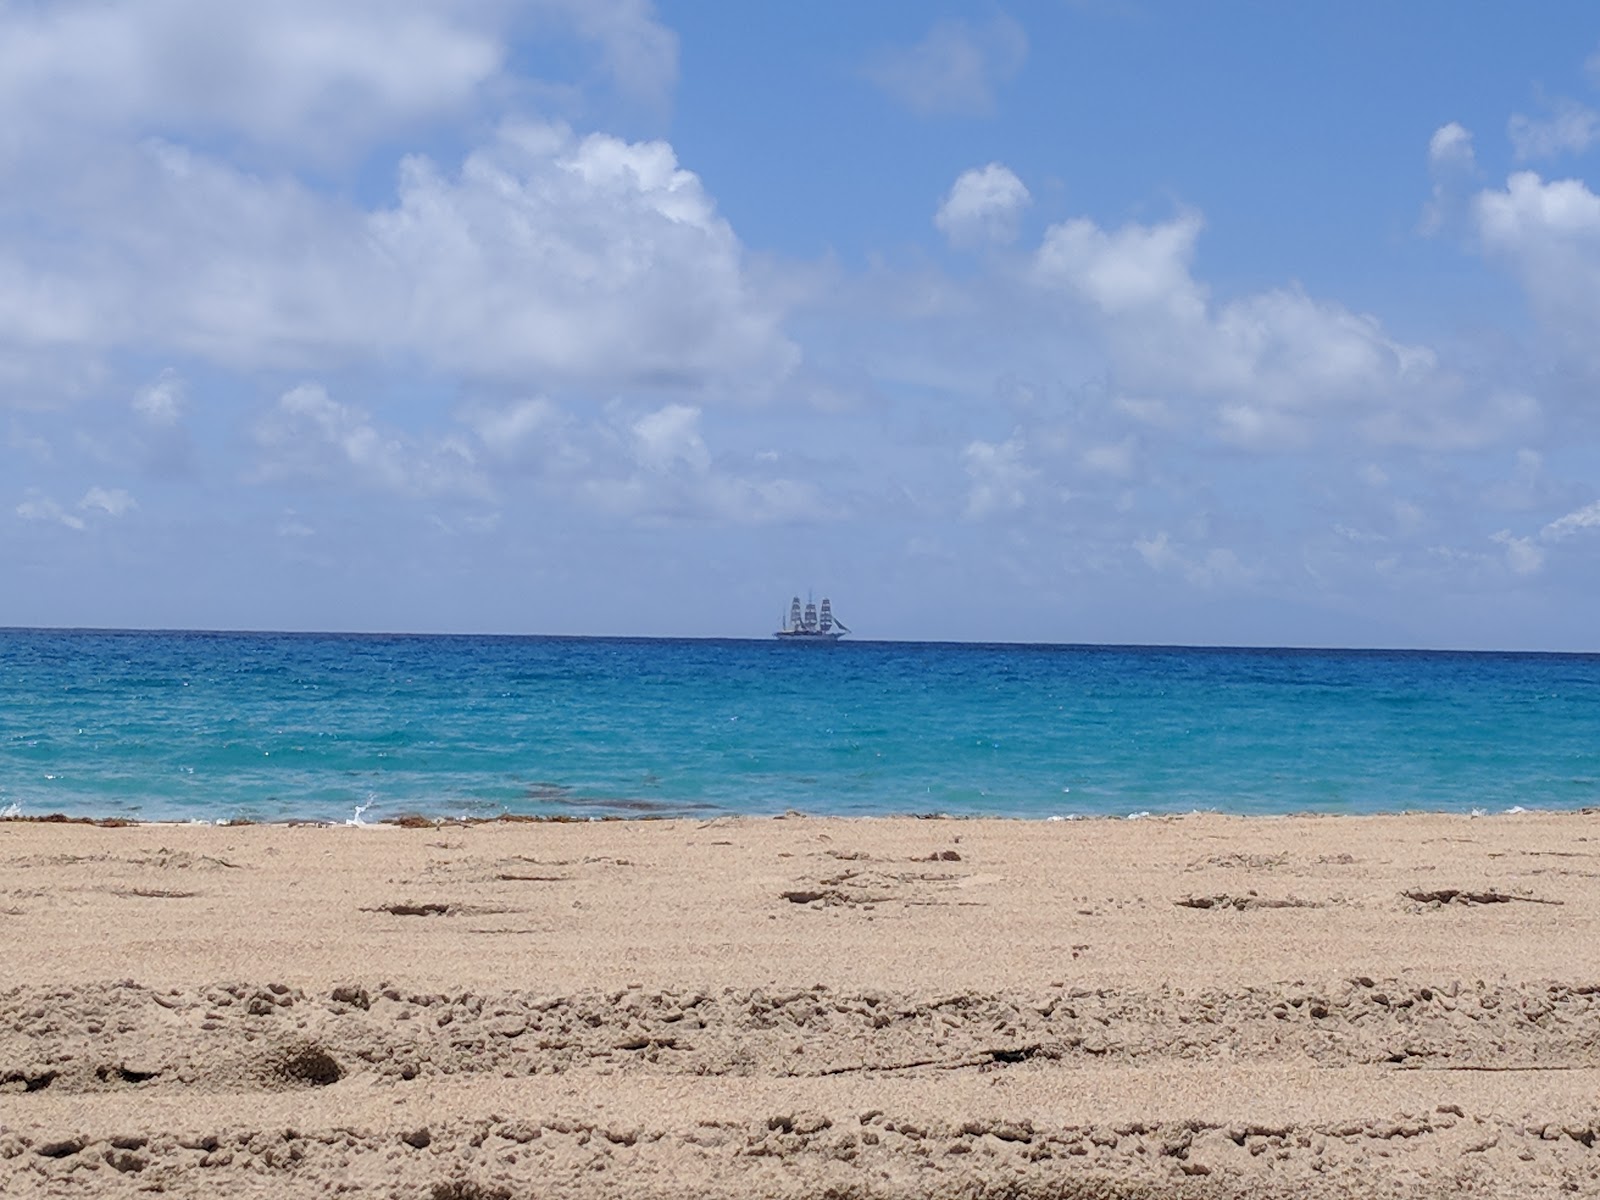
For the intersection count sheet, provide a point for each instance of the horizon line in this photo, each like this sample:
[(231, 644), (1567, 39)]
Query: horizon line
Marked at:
[(854, 639)]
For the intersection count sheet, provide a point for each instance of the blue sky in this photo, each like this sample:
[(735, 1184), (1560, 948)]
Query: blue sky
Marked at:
[(1100, 321)]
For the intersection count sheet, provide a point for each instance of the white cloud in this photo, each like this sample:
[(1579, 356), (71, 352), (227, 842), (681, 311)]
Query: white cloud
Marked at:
[(1587, 517), (1571, 128), (114, 502), (297, 75), (591, 257), (1451, 146), (1273, 364), (998, 476), (1549, 234), (291, 72), (983, 205), (955, 68), (97, 501), (1137, 267), (589, 260), (42, 508), (307, 434)]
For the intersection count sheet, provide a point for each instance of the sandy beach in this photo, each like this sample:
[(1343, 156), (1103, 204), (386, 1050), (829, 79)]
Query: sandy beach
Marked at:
[(1192, 1007)]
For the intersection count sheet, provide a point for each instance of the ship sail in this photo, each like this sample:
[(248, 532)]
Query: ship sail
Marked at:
[(812, 623)]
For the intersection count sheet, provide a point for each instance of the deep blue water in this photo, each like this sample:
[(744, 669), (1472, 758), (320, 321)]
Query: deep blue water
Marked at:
[(290, 726)]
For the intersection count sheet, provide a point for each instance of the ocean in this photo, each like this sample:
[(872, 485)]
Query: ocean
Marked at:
[(338, 727)]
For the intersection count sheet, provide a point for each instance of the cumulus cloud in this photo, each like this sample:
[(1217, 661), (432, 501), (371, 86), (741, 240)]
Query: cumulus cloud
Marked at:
[(1272, 364), (589, 259), (955, 69), (983, 205), (1570, 128), (1549, 235), (309, 435)]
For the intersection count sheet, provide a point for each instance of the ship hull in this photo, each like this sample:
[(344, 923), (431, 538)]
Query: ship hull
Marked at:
[(806, 635)]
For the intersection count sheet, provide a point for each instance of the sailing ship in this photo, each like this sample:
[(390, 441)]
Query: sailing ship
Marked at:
[(811, 623)]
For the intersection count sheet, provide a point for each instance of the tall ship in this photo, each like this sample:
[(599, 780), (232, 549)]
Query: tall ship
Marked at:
[(812, 623)]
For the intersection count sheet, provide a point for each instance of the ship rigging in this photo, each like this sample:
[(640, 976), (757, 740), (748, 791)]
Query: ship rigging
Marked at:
[(811, 623)]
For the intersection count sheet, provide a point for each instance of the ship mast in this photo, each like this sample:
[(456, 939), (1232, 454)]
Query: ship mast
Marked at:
[(811, 622)]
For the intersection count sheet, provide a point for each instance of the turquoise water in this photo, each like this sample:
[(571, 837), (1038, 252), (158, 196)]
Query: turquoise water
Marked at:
[(277, 727)]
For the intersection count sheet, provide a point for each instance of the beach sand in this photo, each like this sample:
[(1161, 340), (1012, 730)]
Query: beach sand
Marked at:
[(1201, 1006)]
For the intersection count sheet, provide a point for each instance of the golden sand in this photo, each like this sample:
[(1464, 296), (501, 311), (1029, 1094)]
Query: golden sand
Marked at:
[(1193, 1007)]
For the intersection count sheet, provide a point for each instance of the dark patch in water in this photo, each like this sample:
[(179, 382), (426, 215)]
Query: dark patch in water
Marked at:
[(555, 794), (547, 792)]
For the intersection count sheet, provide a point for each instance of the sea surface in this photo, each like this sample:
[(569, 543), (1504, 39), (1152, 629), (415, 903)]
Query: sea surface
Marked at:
[(337, 727)]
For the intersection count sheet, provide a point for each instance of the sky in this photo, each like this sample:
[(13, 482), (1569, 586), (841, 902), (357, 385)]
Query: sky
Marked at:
[(1130, 321)]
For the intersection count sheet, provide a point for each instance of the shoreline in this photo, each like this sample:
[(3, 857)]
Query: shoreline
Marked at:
[(415, 820), (883, 1008)]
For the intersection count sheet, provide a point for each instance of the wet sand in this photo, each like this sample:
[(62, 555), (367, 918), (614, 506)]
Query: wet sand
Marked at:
[(1191, 1007)]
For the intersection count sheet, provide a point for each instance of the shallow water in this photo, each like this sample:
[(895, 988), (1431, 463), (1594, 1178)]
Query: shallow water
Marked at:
[(285, 726)]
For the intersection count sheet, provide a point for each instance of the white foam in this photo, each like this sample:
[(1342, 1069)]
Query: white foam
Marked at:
[(11, 811), (1138, 816), (355, 819)]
